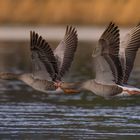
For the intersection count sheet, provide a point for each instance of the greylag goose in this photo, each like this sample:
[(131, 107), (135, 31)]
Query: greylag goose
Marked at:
[(113, 64), (48, 67)]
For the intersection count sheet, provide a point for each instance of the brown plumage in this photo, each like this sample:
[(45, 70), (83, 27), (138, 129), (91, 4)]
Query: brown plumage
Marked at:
[(41, 49), (110, 41), (47, 64), (113, 64), (55, 63)]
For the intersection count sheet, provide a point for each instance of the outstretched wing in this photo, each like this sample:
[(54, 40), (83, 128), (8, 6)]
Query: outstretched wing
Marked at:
[(128, 50), (65, 51), (43, 59), (108, 66)]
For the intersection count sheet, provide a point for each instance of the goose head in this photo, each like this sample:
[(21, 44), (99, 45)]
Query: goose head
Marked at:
[(8, 76)]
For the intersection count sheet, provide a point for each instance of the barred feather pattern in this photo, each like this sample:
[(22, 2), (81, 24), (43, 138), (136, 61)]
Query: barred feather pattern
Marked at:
[(66, 50), (110, 41), (45, 54)]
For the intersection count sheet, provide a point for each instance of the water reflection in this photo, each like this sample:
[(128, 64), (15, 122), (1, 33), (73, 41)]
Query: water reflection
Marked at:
[(29, 114)]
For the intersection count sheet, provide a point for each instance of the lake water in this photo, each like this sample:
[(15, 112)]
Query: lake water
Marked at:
[(29, 114)]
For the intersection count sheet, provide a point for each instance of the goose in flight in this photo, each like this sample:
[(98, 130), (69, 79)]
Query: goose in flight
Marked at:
[(113, 64), (48, 67)]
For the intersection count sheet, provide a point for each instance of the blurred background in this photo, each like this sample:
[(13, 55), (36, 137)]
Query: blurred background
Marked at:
[(79, 12)]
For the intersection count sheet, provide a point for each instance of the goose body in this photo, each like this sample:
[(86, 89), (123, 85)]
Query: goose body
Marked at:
[(48, 67), (113, 63), (37, 84), (99, 89)]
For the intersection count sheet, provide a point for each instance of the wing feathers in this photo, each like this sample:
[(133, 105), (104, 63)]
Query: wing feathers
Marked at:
[(66, 50), (41, 49), (129, 49), (64, 53), (110, 50)]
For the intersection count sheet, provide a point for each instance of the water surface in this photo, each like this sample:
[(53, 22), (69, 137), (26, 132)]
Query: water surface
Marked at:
[(29, 114)]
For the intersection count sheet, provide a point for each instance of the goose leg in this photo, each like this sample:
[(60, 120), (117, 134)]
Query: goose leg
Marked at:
[(70, 91)]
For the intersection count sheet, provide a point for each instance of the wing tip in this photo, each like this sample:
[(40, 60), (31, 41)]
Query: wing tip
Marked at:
[(138, 24), (113, 29), (32, 38), (71, 30), (35, 39)]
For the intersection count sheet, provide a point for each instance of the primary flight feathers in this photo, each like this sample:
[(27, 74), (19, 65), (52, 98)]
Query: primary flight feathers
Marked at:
[(55, 63), (119, 56), (110, 41)]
